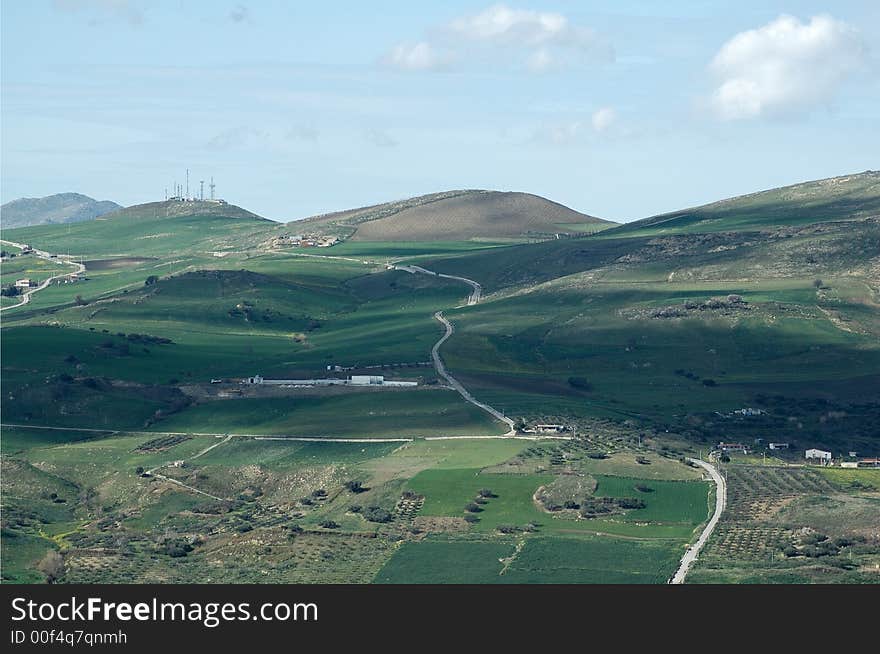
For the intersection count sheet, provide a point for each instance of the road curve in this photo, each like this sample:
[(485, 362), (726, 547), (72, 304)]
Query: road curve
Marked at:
[(26, 297), (452, 381), (473, 298), (720, 501)]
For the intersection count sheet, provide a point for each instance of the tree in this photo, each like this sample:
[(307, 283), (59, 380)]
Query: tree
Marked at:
[(355, 486), (80, 302), (149, 281), (485, 492), (139, 470), (817, 283), (472, 507), (52, 565)]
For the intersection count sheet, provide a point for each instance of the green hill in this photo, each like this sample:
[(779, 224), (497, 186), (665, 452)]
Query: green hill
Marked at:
[(845, 198), (156, 228)]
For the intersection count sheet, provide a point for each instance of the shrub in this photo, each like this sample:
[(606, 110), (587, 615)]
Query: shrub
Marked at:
[(376, 514), (472, 507), (328, 524)]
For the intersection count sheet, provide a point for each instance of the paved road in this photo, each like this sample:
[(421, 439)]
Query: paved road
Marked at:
[(720, 501), (452, 381), (475, 296), (26, 296)]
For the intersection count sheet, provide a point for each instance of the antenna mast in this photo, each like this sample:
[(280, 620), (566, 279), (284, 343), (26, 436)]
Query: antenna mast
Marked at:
[(187, 183), (212, 187), (201, 189)]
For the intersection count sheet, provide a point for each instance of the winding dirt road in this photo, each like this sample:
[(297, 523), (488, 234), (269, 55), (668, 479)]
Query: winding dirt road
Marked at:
[(720, 501), (26, 296)]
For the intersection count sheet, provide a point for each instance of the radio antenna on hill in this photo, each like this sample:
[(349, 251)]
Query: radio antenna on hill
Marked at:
[(187, 184), (201, 189), (212, 185)]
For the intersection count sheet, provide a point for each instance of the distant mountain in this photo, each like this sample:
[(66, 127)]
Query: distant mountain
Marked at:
[(54, 209), (844, 198), (457, 216)]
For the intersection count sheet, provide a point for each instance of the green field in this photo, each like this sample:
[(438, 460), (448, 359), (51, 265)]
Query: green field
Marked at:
[(377, 414), (588, 560)]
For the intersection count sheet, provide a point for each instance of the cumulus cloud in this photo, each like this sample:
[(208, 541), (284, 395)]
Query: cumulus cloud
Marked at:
[(546, 39), (603, 118), (501, 24), (415, 57), (119, 9), (784, 66)]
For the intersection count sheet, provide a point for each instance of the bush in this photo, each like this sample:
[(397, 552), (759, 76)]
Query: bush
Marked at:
[(149, 281), (644, 488), (472, 507), (376, 514), (630, 503), (328, 524), (485, 492), (355, 486), (471, 518), (710, 382), (355, 508)]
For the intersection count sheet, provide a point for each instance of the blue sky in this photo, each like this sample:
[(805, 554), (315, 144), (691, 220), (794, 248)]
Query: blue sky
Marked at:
[(617, 109)]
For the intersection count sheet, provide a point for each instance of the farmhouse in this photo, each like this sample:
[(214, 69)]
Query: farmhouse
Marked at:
[(733, 447), (24, 283), (849, 464), (748, 411), (354, 380), (778, 446), (546, 429), (821, 455), (869, 463)]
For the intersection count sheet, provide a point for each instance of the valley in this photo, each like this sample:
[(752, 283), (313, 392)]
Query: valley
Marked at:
[(563, 383)]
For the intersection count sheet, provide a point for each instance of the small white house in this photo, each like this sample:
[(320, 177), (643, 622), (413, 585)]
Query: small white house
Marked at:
[(849, 464), (778, 446), (23, 283), (821, 455), (367, 380)]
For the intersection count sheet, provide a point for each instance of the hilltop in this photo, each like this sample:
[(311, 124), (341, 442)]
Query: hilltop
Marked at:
[(52, 209), (844, 198), (167, 227), (458, 216)]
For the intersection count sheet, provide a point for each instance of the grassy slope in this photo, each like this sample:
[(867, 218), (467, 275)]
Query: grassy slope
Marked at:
[(837, 198)]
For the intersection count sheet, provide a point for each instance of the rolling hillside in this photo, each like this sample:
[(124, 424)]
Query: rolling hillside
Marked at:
[(156, 228), (845, 198), (458, 216), (52, 209)]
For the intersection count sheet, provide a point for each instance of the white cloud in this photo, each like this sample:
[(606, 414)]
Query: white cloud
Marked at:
[(540, 61), (415, 57), (784, 66), (546, 39), (604, 118), (501, 24)]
